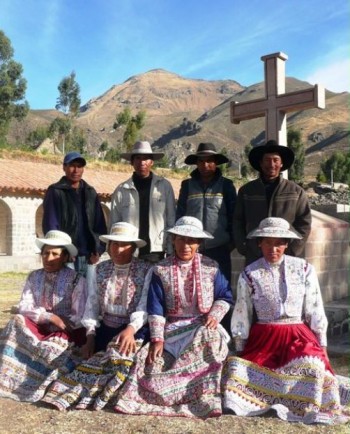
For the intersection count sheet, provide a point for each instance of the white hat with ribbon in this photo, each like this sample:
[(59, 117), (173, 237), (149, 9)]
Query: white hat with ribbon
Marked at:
[(274, 227), (124, 232), (57, 239), (191, 227)]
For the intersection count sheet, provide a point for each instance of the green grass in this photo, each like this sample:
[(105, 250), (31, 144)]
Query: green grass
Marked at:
[(11, 285)]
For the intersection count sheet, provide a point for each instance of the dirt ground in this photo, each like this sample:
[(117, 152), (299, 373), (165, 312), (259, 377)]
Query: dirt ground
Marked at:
[(20, 417)]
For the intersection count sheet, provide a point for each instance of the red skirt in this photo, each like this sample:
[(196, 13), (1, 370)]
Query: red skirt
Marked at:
[(44, 332), (275, 345)]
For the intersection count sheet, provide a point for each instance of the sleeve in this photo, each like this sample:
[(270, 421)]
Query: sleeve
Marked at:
[(100, 227), (239, 230), (156, 309), (302, 224), (79, 298), (242, 316), (139, 317), (92, 309), (182, 200), (116, 215), (170, 216), (50, 216), (222, 297), (230, 197), (313, 307), (28, 307)]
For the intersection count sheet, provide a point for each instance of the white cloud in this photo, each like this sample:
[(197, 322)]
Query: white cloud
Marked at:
[(334, 77)]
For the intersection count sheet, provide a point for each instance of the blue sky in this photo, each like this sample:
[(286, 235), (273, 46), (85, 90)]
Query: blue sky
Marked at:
[(107, 41)]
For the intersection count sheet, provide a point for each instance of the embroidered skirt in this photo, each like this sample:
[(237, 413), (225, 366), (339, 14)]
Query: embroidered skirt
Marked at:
[(30, 359), (284, 369), (188, 385)]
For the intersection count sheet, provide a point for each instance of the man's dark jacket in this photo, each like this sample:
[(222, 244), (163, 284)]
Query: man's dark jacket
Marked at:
[(60, 212)]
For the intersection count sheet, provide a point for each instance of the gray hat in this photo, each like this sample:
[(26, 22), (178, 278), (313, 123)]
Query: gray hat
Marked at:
[(274, 227), (57, 239), (191, 227), (206, 150), (125, 232), (142, 148)]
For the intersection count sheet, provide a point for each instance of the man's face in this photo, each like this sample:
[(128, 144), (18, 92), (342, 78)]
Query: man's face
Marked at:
[(206, 166), (271, 165), (142, 165), (74, 172)]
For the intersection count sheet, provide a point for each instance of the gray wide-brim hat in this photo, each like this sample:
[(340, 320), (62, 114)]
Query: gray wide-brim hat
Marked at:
[(57, 239), (124, 232), (274, 227), (206, 150), (142, 148), (271, 147), (191, 227)]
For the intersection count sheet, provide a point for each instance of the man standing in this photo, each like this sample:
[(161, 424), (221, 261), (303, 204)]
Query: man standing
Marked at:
[(72, 206), (270, 196), (147, 201), (211, 198)]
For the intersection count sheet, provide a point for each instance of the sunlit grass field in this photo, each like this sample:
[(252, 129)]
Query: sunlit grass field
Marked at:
[(11, 285)]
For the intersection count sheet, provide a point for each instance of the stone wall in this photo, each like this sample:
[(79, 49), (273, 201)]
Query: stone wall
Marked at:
[(20, 225)]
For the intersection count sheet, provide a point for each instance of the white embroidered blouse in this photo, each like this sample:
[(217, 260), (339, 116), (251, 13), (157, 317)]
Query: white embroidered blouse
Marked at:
[(63, 293), (116, 295), (285, 291)]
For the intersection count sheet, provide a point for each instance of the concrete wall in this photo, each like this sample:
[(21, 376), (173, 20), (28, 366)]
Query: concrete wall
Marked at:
[(327, 249)]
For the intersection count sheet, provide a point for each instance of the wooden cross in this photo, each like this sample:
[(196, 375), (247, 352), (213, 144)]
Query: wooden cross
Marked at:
[(277, 103)]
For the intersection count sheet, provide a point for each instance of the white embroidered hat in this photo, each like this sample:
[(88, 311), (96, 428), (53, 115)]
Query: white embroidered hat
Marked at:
[(189, 227), (274, 227), (57, 239), (125, 232), (142, 148)]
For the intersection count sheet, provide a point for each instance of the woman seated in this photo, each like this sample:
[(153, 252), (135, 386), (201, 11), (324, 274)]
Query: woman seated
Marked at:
[(115, 290), (36, 345), (279, 326), (178, 373)]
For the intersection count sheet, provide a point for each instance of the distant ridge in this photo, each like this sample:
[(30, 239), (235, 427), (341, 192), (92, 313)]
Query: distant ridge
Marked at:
[(182, 112)]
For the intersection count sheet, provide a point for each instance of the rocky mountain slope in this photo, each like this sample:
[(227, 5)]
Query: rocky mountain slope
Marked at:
[(180, 113)]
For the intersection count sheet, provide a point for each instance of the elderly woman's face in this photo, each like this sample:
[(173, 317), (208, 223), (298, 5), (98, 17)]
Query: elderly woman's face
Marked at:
[(121, 252), (185, 247), (54, 258), (273, 248)]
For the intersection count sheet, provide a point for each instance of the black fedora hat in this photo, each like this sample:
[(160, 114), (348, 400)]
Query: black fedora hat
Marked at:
[(271, 147), (206, 150)]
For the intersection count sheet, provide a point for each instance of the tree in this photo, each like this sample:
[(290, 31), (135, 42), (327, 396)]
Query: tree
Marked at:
[(69, 102), (133, 124), (339, 164), (59, 130), (12, 87), (37, 136), (296, 171), (69, 98), (246, 168)]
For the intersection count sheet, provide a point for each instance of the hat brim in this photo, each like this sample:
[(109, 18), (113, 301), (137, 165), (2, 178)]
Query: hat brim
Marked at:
[(256, 154), (41, 242), (220, 158), (106, 238), (80, 159), (154, 156), (273, 233), (194, 233)]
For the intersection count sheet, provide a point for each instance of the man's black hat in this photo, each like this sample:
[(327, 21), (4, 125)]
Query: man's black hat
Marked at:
[(271, 147)]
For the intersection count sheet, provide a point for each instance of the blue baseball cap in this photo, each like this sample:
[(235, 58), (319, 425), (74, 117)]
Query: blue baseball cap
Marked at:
[(73, 156)]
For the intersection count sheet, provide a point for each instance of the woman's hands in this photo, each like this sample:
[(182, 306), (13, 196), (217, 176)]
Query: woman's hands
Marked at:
[(155, 350), (126, 340)]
